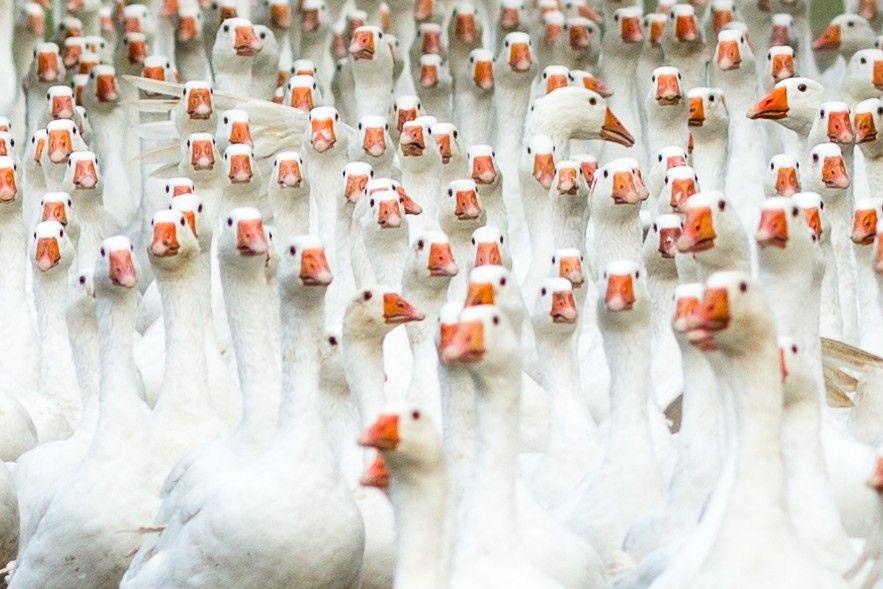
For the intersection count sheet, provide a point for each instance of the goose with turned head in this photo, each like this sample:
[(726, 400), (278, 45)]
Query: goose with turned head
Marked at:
[(713, 234), (421, 163), (864, 78), (678, 185), (709, 123), (664, 160)]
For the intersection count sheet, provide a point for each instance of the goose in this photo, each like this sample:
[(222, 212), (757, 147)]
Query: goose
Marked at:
[(485, 342), (651, 57), (129, 55), (683, 45), (625, 485), (374, 145), (302, 93), (574, 446), (782, 178), (29, 29), (551, 48), (433, 83), (112, 491), (428, 270), (536, 170), (845, 35), (191, 59), (863, 77), (411, 466), (303, 277), (484, 171), (827, 175), (473, 99), (489, 247), (63, 138), (720, 14), (384, 237), (664, 160), (569, 197), (459, 215), (233, 55), (370, 315), (679, 184), (421, 163), (666, 111), (289, 194), (780, 66), (372, 66), (864, 224), (709, 122), (580, 48), (45, 70), (465, 32), (266, 64), (428, 40), (58, 206), (314, 35), (736, 318), (866, 120), (356, 176), (551, 78), (405, 107)]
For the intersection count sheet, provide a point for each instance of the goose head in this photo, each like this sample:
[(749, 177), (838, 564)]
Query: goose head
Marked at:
[(782, 229), (813, 214), (567, 262), (314, 19), (779, 65), (516, 59), (551, 78), (405, 107), (7, 144), (374, 138), (243, 242), (654, 31), (47, 66), (538, 160), (581, 39), (623, 302), (324, 130), (57, 206), (629, 34), (192, 208), (708, 112), (616, 189), (69, 26), (688, 297), (87, 61), (447, 139), (661, 243), (797, 370), (158, 67), (827, 173), (79, 83), (782, 31), (864, 74), (464, 26), (416, 140), (486, 341), (304, 67), (130, 54), (174, 243), (482, 164), (384, 215), (846, 34), (553, 22), (200, 153), (409, 445), (221, 10), (288, 169), (495, 285), (868, 212), (489, 247), (709, 222), (367, 45), (303, 273), (665, 89), (512, 16), (783, 176), (34, 149), (478, 76), (82, 293), (239, 165), (587, 80), (683, 34), (665, 159), (733, 57), (866, 120), (794, 103), (188, 29), (62, 139), (430, 262), (566, 182), (722, 13), (197, 101), (60, 102), (554, 311), (576, 113), (461, 211), (32, 18), (355, 179), (588, 165), (236, 44), (233, 128), (375, 311), (50, 249), (83, 174), (832, 124), (678, 185), (428, 40), (733, 317), (115, 274), (302, 93)]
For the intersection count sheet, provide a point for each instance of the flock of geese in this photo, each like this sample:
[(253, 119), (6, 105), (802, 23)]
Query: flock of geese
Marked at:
[(429, 294)]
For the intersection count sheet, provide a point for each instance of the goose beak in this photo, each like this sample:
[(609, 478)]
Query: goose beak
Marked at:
[(355, 186), (685, 29), (280, 16), (383, 434), (839, 128), (481, 293), (302, 98), (122, 269), (865, 130), (571, 268), (362, 45), (588, 169), (85, 175), (106, 88), (240, 132), (423, 10), (62, 107), (563, 307), (787, 183), (441, 260), (483, 75), (773, 106), (322, 136), (698, 233), (245, 42), (397, 310), (464, 28), (668, 241), (467, 208), (60, 145), (834, 173), (405, 115), (864, 226), (813, 220), (697, 112), (867, 9), (620, 293), (721, 18), (409, 205), (314, 269), (594, 84), (567, 182), (780, 35), (165, 240), (630, 30), (289, 174), (555, 81), (685, 309), (199, 104), (544, 169), (728, 55), (623, 189), (782, 67), (179, 188), (487, 253), (444, 147), (431, 42), (376, 475), (714, 312), (48, 253), (466, 345), (250, 238), (240, 169), (519, 57), (830, 39), (388, 214), (202, 155), (47, 67), (483, 169), (614, 131), (668, 90), (186, 28), (428, 75), (54, 211), (190, 217), (681, 190), (309, 20), (773, 229), (373, 142)]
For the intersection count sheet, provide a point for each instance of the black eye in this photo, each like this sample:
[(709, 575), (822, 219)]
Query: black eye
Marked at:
[(529, 151), (721, 205), (496, 319), (226, 28), (815, 157), (638, 274), (82, 280), (102, 252), (473, 241), (229, 222), (653, 79), (743, 287), (660, 157), (850, 24), (863, 60), (605, 173), (450, 192), (415, 414), (802, 87), (794, 212), (367, 295), (332, 340), (292, 250), (420, 244), (793, 349), (371, 203), (501, 239), (543, 292), (263, 35), (821, 114), (593, 101), (226, 121)]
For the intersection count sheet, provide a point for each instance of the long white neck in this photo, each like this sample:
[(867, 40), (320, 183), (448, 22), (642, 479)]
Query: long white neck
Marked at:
[(616, 236), (373, 85), (234, 75), (365, 376), (83, 334), (91, 218), (839, 207), (386, 251), (57, 377), (458, 421), (12, 259), (291, 211), (491, 196), (8, 94), (710, 157), (121, 180), (324, 171), (423, 389)]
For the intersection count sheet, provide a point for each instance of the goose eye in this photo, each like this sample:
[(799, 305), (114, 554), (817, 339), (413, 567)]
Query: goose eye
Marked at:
[(226, 28), (229, 221), (332, 341), (450, 192), (183, 222), (822, 114), (503, 281), (420, 244), (721, 205), (199, 208), (772, 166), (226, 120), (743, 287), (802, 87), (415, 414), (880, 110), (367, 295), (543, 292), (501, 239), (794, 212), (793, 349), (473, 241), (638, 274), (102, 252), (660, 157), (593, 101), (496, 319), (863, 60), (371, 203), (815, 157), (529, 151), (655, 228), (82, 280), (292, 250)]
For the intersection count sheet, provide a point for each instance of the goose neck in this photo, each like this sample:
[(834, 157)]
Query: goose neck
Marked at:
[(628, 353), (12, 258), (56, 365), (302, 332), (83, 334), (364, 374), (90, 214), (458, 424)]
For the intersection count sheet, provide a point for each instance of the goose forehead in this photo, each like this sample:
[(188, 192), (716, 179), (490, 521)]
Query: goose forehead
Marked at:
[(554, 17), (376, 184), (425, 121), (705, 199), (190, 11), (323, 113), (479, 313), (621, 267), (834, 106), (567, 252), (235, 21), (552, 70), (868, 203), (116, 243), (488, 273), (667, 221), (480, 150), (103, 69), (304, 64), (783, 160), (442, 129), (167, 216), (80, 80), (76, 41), (47, 47), (462, 185), (486, 233), (430, 59), (305, 241), (729, 35), (566, 164), (585, 158), (429, 27), (186, 202), (681, 173), (179, 181), (629, 12), (617, 165), (666, 70), (722, 5), (287, 156), (62, 197), (407, 101), (194, 137), (302, 81), (655, 17), (238, 149), (48, 229), (517, 37), (310, 4), (776, 203), (694, 290), (245, 214), (82, 156), (683, 10), (385, 196), (433, 236), (60, 91), (465, 8), (235, 115), (60, 125), (736, 25), (450, 312), (356, 169), (481, 55), (781, 50), (135, 10), (374, 30), (827, 150), (156, 60), (557, 284), (372, 121), (807, 200), (727, 279), (33, 9), (134, 36), (868, 106), (579, 21)]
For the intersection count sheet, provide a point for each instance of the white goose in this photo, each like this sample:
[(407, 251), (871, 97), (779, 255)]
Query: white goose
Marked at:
[(709, 125)]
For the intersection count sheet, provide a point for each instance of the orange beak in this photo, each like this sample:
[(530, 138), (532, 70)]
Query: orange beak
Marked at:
[(681, 190), (721, 18), (839, 128), (714, 312), (773, 229), (226, 12), (728, 55), (309, 22), (355, 186), (483, 169), (165, 240), (86, 64), (62, 107), (4, 148), (563, 307), (137, 51), (865, 130), (431, 42), (397, 310), (571, 268), (468, 207), (656, 30), (488, 254), (773, 106), (551, 33), (685, 309), (376, 475), (483, 75), (289, 174), (864, 226), (389, 216), (8, 188), (780, 35), (362, 45), (383, 434), (423, 10), (668, 241), (38, 149), (240, 132), (620, 293), (374, 143), (37, 25), (181, 189), (567, 182), (544, 169), (202, 156), (830, 39), (464, 28), (813, 220), (624, 190), (630, 30), (60, 146), (408, 204), (85, 175), (428, 76), (668, 90), (675, 161), (240, 169), (519, 57), (594, 84), (782, 67), (685, 29), (245, 42), (405, 115), (579, 38), (588, 169), (314, 269), (48, 254), (302, 98), (199, 104), (154, 73), (70, 54), (186, 28), (555, 81), (697, 112), (509, 18), (614, 131), (132, 24), (250, 238), (698, 233), (467, 344), (834, 173), (122, 269), (47, 67), (106, 88), (878, 74), (169, 8), (479, 294), (441, 260), (323, 137), (787, 183), (280, 16), (54, 211)]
